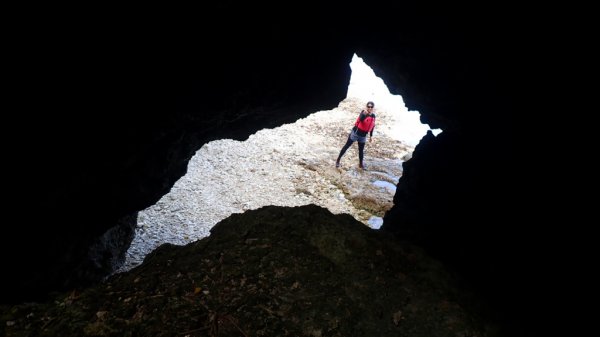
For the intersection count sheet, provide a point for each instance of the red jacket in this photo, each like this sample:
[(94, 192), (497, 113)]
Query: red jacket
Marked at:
[(365, 124)]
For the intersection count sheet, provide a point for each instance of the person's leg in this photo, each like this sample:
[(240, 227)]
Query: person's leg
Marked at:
[(344, 148), (361, 150)]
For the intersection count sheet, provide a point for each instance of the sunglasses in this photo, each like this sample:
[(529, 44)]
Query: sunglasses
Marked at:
[(369, 107)]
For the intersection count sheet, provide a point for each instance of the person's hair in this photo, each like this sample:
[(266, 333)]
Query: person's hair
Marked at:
[(370, 103)]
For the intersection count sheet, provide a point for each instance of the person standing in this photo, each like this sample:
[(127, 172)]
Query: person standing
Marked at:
[(365, 123)]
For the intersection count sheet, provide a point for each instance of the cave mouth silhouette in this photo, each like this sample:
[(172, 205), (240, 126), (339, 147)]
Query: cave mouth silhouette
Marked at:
[(209, 192)]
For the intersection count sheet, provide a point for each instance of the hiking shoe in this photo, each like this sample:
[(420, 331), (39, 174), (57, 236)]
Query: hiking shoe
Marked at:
[(337, 163), (363, 166)]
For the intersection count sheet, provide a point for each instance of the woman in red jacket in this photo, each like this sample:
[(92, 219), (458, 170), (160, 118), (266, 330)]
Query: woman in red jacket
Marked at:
[(365, 123)]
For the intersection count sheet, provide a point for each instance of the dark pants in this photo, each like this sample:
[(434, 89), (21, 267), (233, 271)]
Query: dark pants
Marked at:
[(361, 149)]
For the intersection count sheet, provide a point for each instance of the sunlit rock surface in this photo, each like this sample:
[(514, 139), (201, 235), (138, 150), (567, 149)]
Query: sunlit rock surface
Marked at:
[(290, 165)]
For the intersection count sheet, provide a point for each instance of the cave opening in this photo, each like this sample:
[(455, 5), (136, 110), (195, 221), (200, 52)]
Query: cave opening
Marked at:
[(290, 165)]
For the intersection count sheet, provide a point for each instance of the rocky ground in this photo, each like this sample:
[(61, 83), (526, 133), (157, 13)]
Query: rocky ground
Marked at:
[(290, 165), (273, 271)]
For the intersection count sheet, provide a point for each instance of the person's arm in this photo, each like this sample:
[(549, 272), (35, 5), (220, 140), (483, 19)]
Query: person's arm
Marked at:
[(362, 115)]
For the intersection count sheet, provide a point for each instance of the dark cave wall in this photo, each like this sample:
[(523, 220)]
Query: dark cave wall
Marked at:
[(456, 195), (113, 114)]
